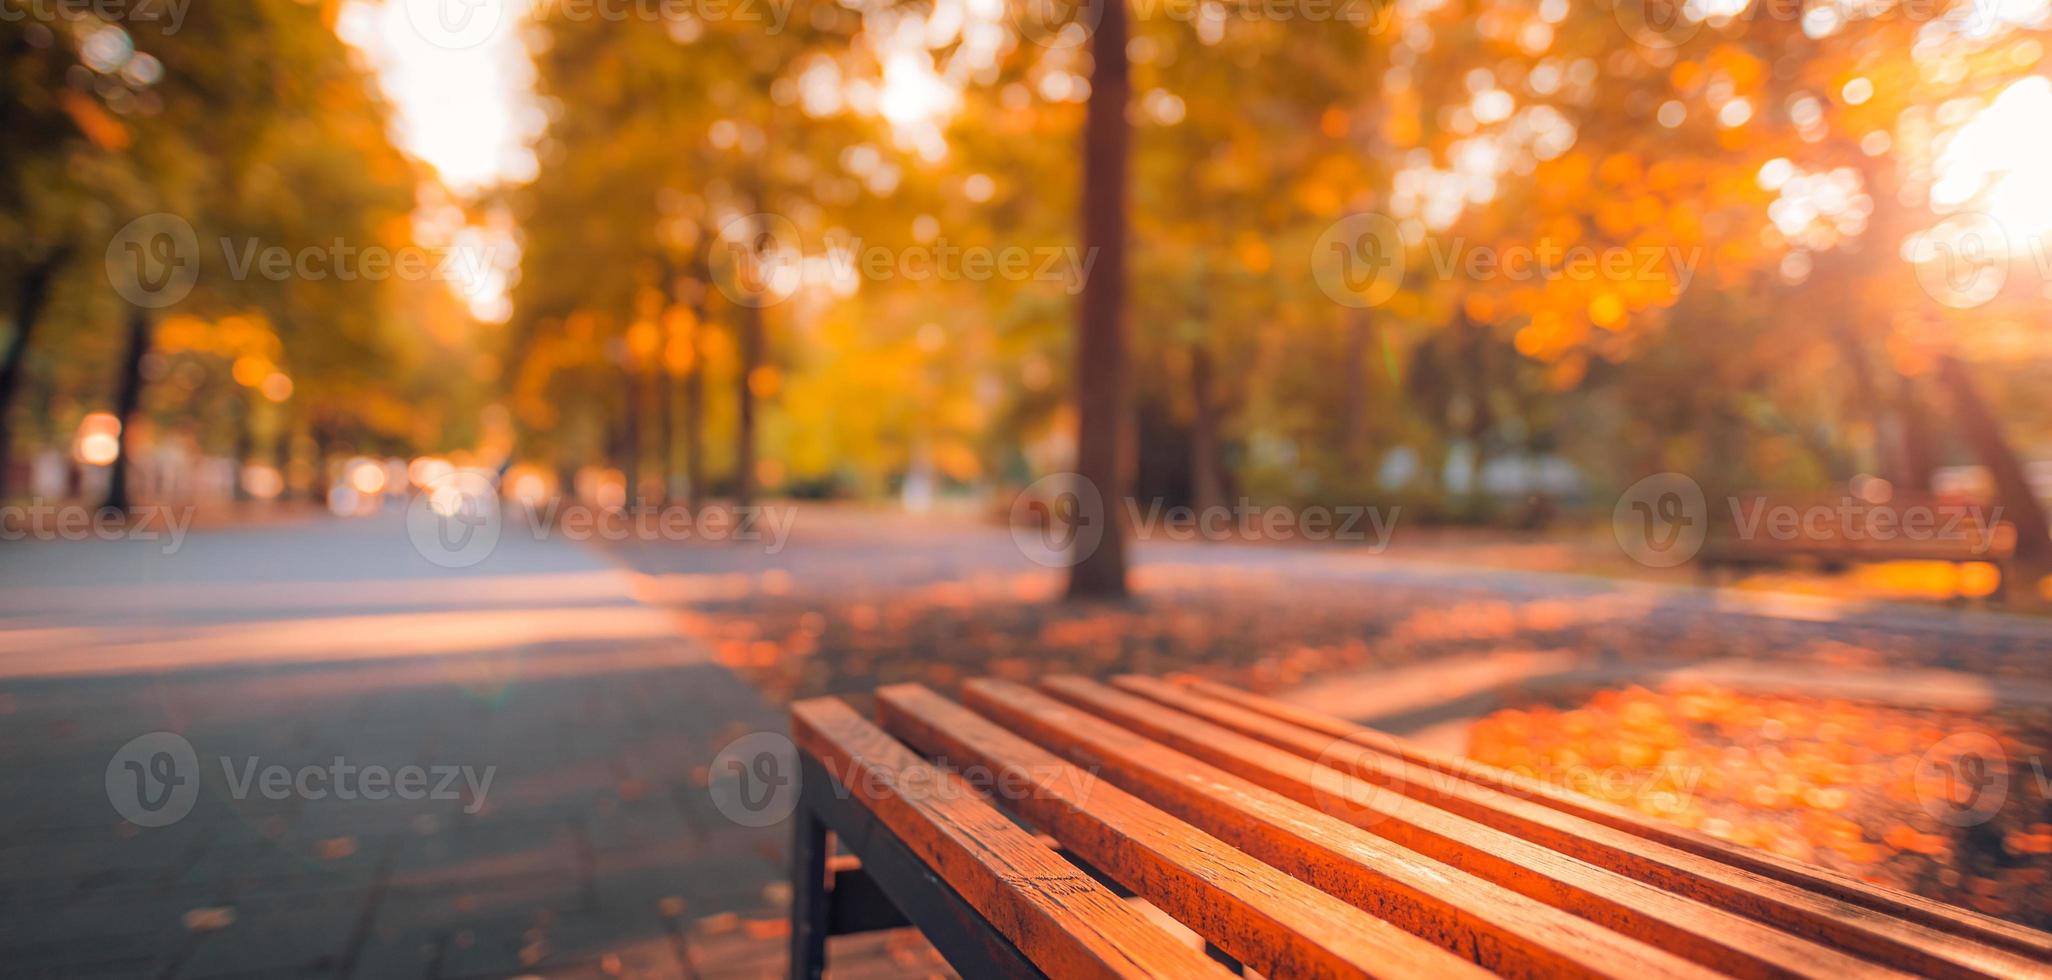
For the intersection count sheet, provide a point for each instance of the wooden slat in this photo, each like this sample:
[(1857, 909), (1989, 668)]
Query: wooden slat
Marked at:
[(1067, 924), (1496, 927), (1261, 916), (1804, 913), (1715, 938), (957, 931), (1887, 901)]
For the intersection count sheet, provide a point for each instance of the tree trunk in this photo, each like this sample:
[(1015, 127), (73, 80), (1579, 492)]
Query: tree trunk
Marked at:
[(1360, 382), (282, 435), (1888, 455), (630, 436), (744, 428), (1984, 433), (245, 440), (128, 398), (663, 397), (1207, 489), (694, 418), (1104, 455), (32, 296), (1917, 453)]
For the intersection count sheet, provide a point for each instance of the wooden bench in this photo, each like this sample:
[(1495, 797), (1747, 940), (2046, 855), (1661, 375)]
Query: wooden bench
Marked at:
[(1012, 826), (1835, 531)]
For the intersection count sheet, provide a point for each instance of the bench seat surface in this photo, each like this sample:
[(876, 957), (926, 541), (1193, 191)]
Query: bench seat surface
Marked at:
[(1305, 846)]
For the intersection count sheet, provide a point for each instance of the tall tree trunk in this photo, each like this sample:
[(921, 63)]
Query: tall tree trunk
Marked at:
[(630, 435), (1887, 440), (1360, 379), (744, 428), (1207, 488), (282, 435), (1917, 454), (32, 295), (694, 417), (1984, 433), (1103, 405), (662, 396), (127, 399), (245, 440)]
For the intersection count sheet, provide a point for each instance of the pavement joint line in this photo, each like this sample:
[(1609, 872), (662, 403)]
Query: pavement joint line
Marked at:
[(352, 951)]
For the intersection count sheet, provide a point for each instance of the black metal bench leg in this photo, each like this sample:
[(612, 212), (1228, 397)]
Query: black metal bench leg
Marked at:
[(1223, 958), (808, 895)]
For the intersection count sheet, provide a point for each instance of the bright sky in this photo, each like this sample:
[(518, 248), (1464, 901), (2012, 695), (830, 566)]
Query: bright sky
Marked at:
[(461, 85), (463, 99)]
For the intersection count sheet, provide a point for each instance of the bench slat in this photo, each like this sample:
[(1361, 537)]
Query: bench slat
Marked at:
[(1263, 917), (958, 932), (1063, 921), (1496, 927), (1812, 900), (1712, 937)]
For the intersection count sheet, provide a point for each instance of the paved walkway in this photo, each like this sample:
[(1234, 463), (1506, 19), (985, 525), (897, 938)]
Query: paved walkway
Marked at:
[(594, 848)]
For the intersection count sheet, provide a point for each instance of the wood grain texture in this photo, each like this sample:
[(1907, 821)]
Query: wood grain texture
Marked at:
[(1720, 940), (1804, 913), (1888, 901), (1493, 926), (1063, 921), (1261, 916)]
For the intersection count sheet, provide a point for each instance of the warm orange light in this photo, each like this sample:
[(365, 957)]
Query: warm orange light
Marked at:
[(425, 470), (262, 482), (277, 387), (530, 488), (99, 449), (251, 370), (98, 441), (366, 476)]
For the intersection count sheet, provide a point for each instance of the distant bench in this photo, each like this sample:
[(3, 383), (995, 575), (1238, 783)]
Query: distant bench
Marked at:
[(1298, 845), (1834, 531)]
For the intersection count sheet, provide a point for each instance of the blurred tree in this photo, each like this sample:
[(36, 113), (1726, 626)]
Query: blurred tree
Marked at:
[(248, 130), (1104, 423)]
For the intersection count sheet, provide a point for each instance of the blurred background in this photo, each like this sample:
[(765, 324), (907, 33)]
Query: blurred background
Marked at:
[(1628, 387)]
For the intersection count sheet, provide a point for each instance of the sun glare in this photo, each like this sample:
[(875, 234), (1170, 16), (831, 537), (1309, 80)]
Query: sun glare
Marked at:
[(465, 109), (1996, 162)]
